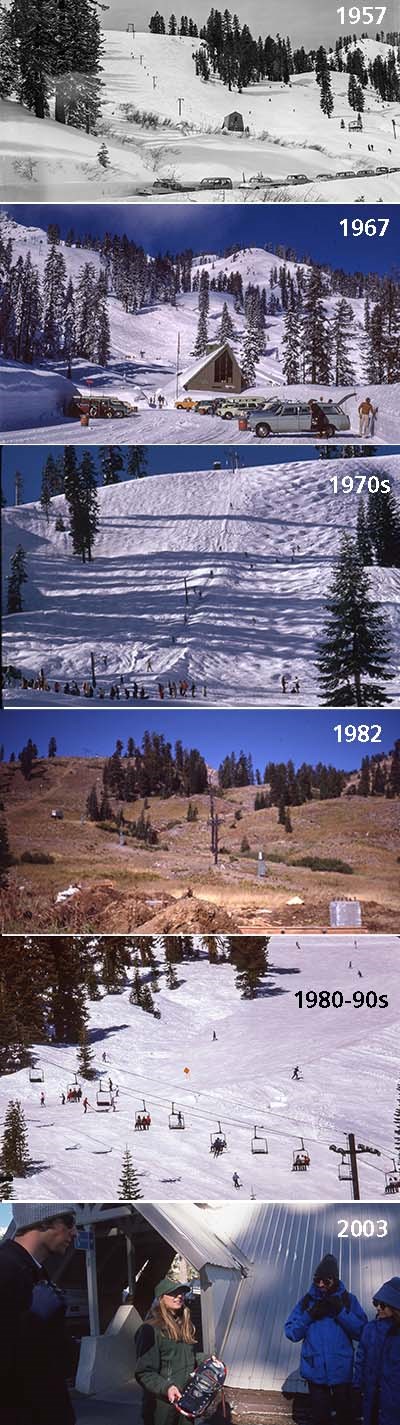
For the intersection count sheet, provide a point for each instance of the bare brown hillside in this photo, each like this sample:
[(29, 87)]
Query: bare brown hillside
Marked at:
[(121, 887)]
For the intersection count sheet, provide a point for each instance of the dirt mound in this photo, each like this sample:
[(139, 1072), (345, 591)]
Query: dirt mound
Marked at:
[(187, 914)]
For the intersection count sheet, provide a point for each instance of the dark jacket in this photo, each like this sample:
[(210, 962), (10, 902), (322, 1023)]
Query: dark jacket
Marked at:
[(377, 1372), (327, 1326), (34, 1350), (160, 1363)]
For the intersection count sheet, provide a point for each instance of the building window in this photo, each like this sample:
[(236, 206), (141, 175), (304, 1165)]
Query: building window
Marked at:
[(223, 369)]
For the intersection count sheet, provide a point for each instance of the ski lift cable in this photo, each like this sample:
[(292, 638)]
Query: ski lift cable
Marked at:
[(232, 1121)]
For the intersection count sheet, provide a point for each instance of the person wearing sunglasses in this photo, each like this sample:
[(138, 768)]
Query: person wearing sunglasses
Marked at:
[(327, 1320), (34, 1348), (166, 1352), (377, 1366)]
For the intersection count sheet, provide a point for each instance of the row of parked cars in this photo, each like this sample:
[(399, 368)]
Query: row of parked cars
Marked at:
[(273, 416), (262, 180)]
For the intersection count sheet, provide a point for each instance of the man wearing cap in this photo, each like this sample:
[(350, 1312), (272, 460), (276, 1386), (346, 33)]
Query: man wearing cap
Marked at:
[(327, 1320), (166, 1352), (377, 1368), (34, 1347)]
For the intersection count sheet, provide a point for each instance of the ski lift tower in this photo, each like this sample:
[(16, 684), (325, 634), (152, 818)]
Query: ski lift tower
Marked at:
[(348, 1167), (130, 29)]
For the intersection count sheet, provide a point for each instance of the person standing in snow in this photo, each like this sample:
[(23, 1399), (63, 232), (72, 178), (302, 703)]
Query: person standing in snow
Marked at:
[(85, 1105), (327, 1320), (236, 1181), (377, 1368), (365, 411), (34, 1346), (42, 1100), (214, 1034)]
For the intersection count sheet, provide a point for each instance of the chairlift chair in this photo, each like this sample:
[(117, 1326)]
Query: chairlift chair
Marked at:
[(258, 1143), (392, 1180), (36, 1075), (176, 1118), (103, 1096), (218, 1138), (301, 1158), (139, 1112), (344, 1173)]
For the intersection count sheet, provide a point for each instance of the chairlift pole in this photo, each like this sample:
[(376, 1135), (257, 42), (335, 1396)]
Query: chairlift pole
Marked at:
[(178, 353), (352, 1153), (93, 670)]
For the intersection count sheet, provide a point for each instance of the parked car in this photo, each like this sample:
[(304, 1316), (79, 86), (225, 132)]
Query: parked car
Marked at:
[(208, 407), (167, 185), (216, 183), (109, 406), (258, 179), (236, 405), (185, 403), (382, 169), (283, 417), (323, 177), (297, 178)]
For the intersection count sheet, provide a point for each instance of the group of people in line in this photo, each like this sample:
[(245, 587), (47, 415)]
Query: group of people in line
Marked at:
[(295, 688), (351, 1365)]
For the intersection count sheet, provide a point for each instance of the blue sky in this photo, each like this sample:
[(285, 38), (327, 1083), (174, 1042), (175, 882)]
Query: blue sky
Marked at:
[(170, 227), (161, 460), (279, 16), (270, 736), (5, 1213)]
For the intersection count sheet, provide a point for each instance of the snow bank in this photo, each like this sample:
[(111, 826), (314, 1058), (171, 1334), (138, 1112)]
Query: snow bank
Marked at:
[(39, 395)]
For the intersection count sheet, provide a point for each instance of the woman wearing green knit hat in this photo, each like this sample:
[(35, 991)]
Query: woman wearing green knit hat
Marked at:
[(166, 1352)]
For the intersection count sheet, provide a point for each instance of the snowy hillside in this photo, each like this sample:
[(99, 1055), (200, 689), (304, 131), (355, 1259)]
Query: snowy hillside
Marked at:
[(143, 353), (256, 548), (145, 74), (348, 1061)]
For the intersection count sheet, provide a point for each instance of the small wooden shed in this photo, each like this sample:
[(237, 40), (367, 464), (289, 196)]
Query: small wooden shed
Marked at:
[(218, 370)]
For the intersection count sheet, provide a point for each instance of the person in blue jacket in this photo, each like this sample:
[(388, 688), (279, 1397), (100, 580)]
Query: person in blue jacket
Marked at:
[(327, 1320), (377, 1368)]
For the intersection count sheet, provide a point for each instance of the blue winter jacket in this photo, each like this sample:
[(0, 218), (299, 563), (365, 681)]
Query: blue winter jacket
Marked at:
[(377, 1372), (327, 1351)]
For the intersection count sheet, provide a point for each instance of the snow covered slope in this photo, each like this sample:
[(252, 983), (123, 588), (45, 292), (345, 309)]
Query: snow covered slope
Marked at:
[(256, 548), (348, 1059), (145, 74)]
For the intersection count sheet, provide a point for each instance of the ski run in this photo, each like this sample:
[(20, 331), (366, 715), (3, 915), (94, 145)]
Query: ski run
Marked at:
[(348, 1072)]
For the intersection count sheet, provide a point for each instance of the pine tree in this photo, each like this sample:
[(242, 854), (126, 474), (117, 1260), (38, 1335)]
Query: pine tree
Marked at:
[(282, 812), (128, 1186), (54, 289), (364, 539), (103, 156), (136, 465), (33, 29), (81, 492), (52, 750), (383, 522), (69, 326), (315, 333), (226, 329), (111, 463), (323, 77), (16, 579), (292, 348), (354, 651), (92, 807), (342, 326), (364, 780), (14, 1153), (85, 1057), (201, 342), (288, 824)]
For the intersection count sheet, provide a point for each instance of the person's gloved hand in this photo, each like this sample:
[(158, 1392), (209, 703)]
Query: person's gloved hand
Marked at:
[(47, 1301), (319, 1310), (333, 1305)]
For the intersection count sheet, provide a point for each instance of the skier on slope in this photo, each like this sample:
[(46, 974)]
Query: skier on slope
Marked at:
[(296, 1072), (236, 1181), (214, 1034), (42, 1100)]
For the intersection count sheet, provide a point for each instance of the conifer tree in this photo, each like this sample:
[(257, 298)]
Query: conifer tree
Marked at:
[(323, 78), (292, 348), (364, 540), (341, 333), (354, 651), (54, 289), (52, 749), (92, 806), (128, 1186), (6, 1187), (315, 333), (14, 1152), (16, 579), (85, 1057), (5, 854), (111, 463), (201, 342), (383, 522), (136, 465), (226, 329)]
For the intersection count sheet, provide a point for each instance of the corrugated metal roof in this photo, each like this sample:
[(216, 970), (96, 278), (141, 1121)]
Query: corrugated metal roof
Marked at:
[(188, 1228)]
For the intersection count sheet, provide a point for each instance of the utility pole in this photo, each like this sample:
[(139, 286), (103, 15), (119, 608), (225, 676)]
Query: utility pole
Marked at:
[(93, 670), (180, 102), (352, 1153), (178, 354)]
